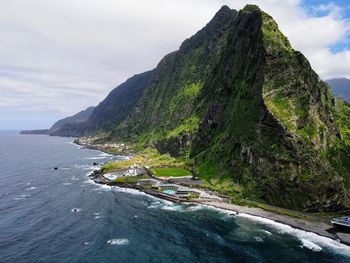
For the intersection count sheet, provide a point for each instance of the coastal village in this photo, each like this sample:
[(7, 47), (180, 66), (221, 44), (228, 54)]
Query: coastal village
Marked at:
[(170, 183), (161, 176)]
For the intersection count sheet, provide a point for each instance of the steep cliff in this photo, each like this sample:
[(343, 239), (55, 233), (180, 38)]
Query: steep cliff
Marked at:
[(239, 103), (78, 118)]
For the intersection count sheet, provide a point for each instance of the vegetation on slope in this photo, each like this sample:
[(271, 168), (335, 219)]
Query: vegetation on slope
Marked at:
[(238, 104)]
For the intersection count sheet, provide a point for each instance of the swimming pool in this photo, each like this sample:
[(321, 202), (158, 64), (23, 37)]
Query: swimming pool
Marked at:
[(169, 192)]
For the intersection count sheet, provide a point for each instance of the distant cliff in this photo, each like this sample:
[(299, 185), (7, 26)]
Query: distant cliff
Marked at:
[(43, 131), (77, 119), (112, 110)]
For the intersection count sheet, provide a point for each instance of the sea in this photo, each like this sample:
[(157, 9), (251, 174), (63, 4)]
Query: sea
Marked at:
[(49, 215)]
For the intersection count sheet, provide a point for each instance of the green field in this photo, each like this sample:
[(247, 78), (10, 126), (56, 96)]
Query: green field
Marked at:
[(130, 179), (170, 172)]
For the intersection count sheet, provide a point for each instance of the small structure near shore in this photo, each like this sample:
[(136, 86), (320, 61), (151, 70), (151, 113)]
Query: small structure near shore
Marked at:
[(133, 170), (343, 221), (176, 190)]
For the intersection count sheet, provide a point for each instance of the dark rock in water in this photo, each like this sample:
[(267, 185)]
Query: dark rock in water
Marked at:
[(56, 168), (95, 174), (94, 163)]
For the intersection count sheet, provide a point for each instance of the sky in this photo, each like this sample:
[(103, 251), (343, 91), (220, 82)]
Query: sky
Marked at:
[(59, 57)]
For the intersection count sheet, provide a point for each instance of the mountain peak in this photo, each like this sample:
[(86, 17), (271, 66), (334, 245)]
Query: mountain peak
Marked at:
[(224, 9), (251, 7), (212, 30)]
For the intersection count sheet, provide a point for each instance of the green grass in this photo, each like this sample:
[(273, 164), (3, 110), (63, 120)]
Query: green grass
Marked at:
[(342, 116), (147, 157), (188, 125), (130, 179), (170, 172), (124, 164), (191, 90), (224, 186)]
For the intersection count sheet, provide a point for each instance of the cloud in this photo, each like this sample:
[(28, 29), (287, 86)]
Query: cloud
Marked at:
[(58, 57)]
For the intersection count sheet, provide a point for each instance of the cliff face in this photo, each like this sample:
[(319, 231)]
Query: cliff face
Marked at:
[(244, 106), (167, 109), (58, 129), (119, 102), (77, 119), (109, 113)]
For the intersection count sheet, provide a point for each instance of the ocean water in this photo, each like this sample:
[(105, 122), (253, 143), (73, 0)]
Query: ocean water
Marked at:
[(49, 215)]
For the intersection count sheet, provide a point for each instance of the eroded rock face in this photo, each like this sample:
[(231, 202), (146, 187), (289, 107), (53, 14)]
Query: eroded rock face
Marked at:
[(176, 146), (265, 117)]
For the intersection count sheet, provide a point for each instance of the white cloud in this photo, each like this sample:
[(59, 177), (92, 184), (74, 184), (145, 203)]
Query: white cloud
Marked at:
[(58, 57)]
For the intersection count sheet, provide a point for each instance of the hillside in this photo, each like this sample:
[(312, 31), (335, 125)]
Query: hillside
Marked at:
[(76, 119), (80, 117), (245, 110), (341, 88), (242, 106), (112, 110), (105, 116)]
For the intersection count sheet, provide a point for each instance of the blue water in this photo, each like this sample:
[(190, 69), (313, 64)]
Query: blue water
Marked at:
[(168, 191), (49, 215)]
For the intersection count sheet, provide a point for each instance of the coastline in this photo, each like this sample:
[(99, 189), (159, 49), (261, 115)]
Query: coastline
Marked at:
[(319, 228)]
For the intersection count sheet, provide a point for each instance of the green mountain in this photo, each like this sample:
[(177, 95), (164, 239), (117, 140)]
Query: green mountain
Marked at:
[(108, 114), (78, 118), (341, 88), (240, 106), (240, 102)]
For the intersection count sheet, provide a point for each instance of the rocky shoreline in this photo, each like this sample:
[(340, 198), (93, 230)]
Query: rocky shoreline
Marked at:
[(319, 228)]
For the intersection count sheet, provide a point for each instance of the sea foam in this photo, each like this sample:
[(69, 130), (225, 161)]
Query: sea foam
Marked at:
[(308, 240), (118, 242), (96, 158), (31, 188)]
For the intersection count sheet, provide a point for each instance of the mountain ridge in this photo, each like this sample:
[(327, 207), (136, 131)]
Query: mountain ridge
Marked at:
[(284, 118), (241, 107)]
